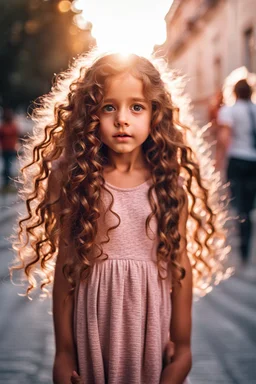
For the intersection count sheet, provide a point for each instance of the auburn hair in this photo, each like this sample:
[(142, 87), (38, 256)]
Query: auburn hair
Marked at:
[(65, 141)]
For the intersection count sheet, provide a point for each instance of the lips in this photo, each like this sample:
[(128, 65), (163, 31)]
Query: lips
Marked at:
[(123, 134)]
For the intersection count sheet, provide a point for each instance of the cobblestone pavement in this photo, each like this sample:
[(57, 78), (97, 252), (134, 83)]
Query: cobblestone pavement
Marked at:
[(224, 326), (224, 332)]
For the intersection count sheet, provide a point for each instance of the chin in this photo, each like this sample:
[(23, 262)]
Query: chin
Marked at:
[(121, 150)]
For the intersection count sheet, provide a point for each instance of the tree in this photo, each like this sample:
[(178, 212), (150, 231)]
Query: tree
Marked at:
[(38, 41)]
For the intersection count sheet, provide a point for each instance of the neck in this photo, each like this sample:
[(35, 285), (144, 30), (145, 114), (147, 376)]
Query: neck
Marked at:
[(126, 162), (240, 99)]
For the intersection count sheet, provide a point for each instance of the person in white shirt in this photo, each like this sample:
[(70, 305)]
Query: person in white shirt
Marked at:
[(237, 144)]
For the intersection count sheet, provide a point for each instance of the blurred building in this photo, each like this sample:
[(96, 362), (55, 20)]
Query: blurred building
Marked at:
[(206, 40)]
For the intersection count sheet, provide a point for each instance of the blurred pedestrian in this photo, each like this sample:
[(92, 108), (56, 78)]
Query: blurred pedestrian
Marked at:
[(8, 142), (237, 142), (107, 199), (214, 131), (215, 104)]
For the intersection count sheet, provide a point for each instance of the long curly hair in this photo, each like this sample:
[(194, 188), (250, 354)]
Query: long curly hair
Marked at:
[(66, 133)]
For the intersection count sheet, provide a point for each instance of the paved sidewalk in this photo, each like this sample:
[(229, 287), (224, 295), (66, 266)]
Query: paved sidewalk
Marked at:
[(8, 200), (10, 208)]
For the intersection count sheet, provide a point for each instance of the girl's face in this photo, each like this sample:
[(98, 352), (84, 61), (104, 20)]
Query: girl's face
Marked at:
[(125, 116)]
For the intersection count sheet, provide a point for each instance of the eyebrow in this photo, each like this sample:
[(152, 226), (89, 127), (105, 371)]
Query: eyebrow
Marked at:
[(130, 99)]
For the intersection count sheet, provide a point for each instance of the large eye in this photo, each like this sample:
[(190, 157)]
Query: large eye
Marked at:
[(108, 108), (137, 107)]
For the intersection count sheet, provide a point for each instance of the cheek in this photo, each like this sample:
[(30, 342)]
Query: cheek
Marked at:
[(143, 133), (103, 134), (147, 125), (102, 130), (105, 131), (104, 125), (148, 118), (106, 121)]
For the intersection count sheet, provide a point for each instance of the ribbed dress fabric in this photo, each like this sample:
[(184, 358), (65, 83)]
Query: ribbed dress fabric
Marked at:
[(123, 311)]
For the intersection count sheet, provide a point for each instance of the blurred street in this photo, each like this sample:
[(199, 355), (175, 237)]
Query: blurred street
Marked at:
[(224, 329)]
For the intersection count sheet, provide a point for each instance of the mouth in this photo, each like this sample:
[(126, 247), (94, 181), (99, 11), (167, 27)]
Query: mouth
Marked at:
[(121, 135), (122, 138)]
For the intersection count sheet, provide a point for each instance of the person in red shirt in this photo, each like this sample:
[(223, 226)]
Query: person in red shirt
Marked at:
[(8, 143)]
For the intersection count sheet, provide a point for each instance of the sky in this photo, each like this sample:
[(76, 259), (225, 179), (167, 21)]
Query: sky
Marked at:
[(126, 25)]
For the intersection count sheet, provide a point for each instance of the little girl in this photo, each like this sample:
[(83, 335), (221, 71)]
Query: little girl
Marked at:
[(118, 217)]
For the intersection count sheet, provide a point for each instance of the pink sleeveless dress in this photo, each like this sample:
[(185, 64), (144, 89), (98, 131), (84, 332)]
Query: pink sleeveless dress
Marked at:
[(123, 312)]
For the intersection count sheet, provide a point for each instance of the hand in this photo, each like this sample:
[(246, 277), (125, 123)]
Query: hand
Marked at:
[(168, 353), (75, 378)]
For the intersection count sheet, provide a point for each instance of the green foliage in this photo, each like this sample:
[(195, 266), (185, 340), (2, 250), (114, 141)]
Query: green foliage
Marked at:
[(37, 41)]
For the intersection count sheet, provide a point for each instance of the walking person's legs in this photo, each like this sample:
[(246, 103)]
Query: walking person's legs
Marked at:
[(241, 174), (6, 168), (7, 156), (246, 225)]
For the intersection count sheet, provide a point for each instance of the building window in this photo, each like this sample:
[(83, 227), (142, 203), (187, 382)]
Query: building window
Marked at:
[(249, 48)]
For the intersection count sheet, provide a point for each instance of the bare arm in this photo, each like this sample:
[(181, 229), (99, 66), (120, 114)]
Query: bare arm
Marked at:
[(223, 142), (180, 328), (63, 305)]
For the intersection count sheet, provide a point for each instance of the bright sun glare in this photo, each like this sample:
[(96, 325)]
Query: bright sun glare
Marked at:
[(125, 26)]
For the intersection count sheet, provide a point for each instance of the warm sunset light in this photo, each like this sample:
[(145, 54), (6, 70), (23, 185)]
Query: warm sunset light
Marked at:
[(130, 26), (230, 81), (64, 6)]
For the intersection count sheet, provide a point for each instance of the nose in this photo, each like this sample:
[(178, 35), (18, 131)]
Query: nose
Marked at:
[(122, 119)]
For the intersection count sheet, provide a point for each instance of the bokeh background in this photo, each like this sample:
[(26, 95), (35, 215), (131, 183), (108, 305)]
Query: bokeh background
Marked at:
[(209, 41)]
